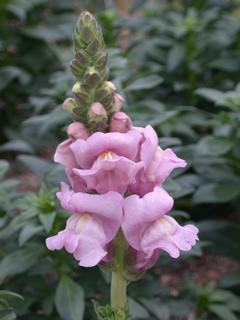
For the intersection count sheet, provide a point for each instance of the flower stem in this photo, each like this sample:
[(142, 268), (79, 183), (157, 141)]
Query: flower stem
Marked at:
[(119, 283)]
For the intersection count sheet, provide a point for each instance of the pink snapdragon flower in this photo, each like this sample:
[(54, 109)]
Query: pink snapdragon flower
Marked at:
[(147, 228), (129, 158), (158, 163), (103, 162), (92, 226)]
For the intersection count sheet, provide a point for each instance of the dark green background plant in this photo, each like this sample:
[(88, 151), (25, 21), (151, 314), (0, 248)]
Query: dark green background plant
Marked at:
[(177, 67)]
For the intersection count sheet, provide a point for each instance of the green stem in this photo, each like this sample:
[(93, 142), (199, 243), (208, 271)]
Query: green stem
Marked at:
[(119, 283)]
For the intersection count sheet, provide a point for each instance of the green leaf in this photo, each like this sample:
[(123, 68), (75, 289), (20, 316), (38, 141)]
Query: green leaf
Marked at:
[(9, 184), (4, 304), (16, 145), (9, 73), (214, 146), (18, 262), (42, 267), (135, 308), (214, 193), (5, 294), (213, 95), (4, 165), (222, 312), (137, 5), (175, 56), (47, 220), (230, 280), (7, 314), (145, 83), (35, 164), (167, 142), (227, 298), (158, 309), (29, 230), (69, 299), (177, 190)]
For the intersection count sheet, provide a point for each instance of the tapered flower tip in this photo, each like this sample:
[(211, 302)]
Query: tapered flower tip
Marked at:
[(97, 113), (117, 102), (77, 130), (120, 122), (69, 104)]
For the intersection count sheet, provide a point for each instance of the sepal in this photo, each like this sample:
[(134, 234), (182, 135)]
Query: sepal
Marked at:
[(108, 313)]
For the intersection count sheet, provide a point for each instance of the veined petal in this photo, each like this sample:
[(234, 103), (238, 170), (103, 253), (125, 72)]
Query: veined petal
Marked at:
[(149, 146), (77, 183), (123, 144), (110, 175), (162, 165), (84, 237), (64, 154), (140, 212), (106, 207), (166, 234)]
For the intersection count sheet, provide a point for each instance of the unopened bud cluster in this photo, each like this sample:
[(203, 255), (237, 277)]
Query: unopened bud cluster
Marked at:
[(94, 99)]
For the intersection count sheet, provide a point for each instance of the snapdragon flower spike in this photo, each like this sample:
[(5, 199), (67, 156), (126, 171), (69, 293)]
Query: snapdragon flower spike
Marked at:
[(91, 227), (147, 227)]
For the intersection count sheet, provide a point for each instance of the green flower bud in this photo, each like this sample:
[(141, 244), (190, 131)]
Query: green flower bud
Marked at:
[(100, 60), (94, 47), (92, 77), (86, 19), (87, 30), (81, 94), (76, 69), (83, 58), (79, 116), (82, 100), (78, 43), (82, 89), (104, 73), (104, 94)]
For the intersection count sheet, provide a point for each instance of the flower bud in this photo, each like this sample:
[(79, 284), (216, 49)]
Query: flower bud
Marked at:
[(104, 74), (82, 89), (77, 130), (86, 32), (81, 93), (97, 117), (117, 102), (97, 113), (78, 43), (83, 58), (100, 60), (69, 104), (78, 115), (120, 122), (94, 47), (76, 69), (104, 93), (92, 77), (86, 19)]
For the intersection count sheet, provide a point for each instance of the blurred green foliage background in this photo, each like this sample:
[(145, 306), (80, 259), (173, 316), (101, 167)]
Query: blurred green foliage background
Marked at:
[(177, 64)]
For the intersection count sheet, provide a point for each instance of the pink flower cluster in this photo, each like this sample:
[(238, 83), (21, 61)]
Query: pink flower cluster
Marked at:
[(116, 182)]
